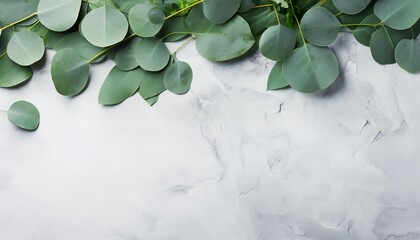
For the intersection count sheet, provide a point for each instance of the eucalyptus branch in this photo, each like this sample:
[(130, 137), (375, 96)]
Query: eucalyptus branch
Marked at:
[(18, 21), (109, 48), (183, 9)]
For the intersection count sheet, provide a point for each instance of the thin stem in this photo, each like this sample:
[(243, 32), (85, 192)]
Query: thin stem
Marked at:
[(297, 21), (109, 48), (361, 24), (183, 45), (174, 33), (18, 21), (183, 9), (322, 2), (34, 25), (263, 6), (277, 14), (3, 54)]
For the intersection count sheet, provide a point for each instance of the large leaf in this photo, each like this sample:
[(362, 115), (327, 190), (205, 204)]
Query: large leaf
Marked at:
[(277, 42), (25, 48), (104, 26), (120, 85), (140, 22), (178, 77), (70, 72), (125, 56), (351, 6), (276, 79), (383, 43), (79, 44), (407, 55), (152, 54), (398, 15), (152, 84), (12, 74), (220, 42), (24, 115), (310, 68), (320, 27), (58, 15), (219, 11), (13, 10)]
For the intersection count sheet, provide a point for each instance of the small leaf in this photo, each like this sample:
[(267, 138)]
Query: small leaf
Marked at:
[(25, 48), (171, 26), (125, 56), (363, 34), (276, 79), (60, 15), (219, 11), (320, 27), (407, 55), (156, 15), (277, 42), (120, 85), (383, 43), (152, 84), (152, 54), (24, 115), (140, 22), (178, 78), (70, 72), (12, 74)]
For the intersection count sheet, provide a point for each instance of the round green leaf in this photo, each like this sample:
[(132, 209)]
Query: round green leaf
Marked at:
[(79, 44), (25, 48), (352, 6), (398, 15), (152, 54), (120, 85), (219, 11), (247, 5), (277, 42), (125, 56), (178, 78), (320, 27), (70, 72), (310, 68), (140, 22), (276, 79), (383, 43), (12, 74), (152, 84), (220, 42), (60, 15), (407, 54), (156, 15), (104, 26), (363, 34), (24, 115)]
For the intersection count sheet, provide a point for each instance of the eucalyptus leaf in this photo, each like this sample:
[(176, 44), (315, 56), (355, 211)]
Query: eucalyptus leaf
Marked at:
[(407, 55), (25, 48), (24, 115), (383, 43), (219, 11), (311, 68), (151, 54), (320, 27), (79, 44), (352, 6), (125, 56), (120, 85), (259, 19), (363, 34), (140, 22), (178, 77), (14, 10), (104, 26), (398, 15), (174, 29), (58, 15), (277, 42), (156, 15), (70, 72), (151, 101), (152, 84), (12, 74), (276, 80)]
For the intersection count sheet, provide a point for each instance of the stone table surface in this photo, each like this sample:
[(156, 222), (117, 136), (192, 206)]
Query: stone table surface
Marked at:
[(227, 161)]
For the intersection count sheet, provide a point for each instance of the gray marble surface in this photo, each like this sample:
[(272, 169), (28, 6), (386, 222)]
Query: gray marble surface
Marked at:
[(227, 161)]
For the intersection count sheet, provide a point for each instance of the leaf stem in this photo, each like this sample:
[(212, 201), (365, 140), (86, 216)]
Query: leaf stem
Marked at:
[(183, 45), (183, 9), (34, 25), (109, 48), (298, 24), (174, 33), (263, 6), (18, 21), (3, 54), (361, 24)]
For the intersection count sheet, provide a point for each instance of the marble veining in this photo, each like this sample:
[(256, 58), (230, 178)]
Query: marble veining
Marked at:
[(227, 161)]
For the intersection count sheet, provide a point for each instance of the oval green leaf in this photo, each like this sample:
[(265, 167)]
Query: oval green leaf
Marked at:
[(104, 26), (24, 115), (383, 43), (277, 42), (125, 56), (60, 15), (25, 48), (276, 79), (12, 74), (140, 22), (219, 11), (156, 15), (152, 84), (120, 85), (70, 72), (178, 78), (407, 55), (152, 54), (320, 27), (79, 44), (398, 15), (310, 69), (352, 6)]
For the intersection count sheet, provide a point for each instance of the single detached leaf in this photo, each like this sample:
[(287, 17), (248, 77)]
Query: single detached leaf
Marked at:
[(24, 115), (152, 54), (276, 79), (60, 15), (140, 22), (383, 43), (363, 34), (70, 72), (407, 55), (79, 44), (104, 26), (125, 56), (25, 48), (277, 42), (220, 42), (351, 7), (320, 27), (178, 78), (310, 68), (152, 84), (120, 85), (398, 15), (219, 11), (12, 74)]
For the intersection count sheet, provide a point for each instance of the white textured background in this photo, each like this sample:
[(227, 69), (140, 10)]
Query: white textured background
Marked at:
[(227, 161)]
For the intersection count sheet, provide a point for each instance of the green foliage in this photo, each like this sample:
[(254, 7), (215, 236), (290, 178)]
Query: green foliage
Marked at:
[(297, 34), (24, 115)]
